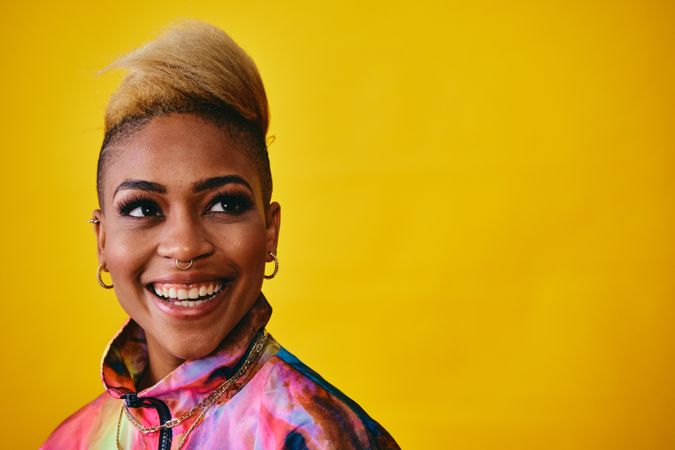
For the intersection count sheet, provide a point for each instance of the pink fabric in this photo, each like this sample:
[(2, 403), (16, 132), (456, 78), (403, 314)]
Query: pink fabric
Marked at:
[(278, 404)]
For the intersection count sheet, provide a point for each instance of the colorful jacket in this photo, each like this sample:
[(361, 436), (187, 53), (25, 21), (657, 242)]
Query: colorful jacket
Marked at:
[(278, 403)]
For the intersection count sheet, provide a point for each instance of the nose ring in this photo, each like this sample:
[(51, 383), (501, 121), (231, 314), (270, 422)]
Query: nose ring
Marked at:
[(183, 266)]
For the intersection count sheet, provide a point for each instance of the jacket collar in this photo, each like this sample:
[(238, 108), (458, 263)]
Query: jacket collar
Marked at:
[(126, 358)]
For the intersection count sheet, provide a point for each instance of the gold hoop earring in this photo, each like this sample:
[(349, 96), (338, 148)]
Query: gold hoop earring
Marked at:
[(183, 267), (276, 267), (99, 271)]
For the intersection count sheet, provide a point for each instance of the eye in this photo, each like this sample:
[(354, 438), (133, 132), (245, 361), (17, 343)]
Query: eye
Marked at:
[(230, 204), (144, 211), (139, 207)]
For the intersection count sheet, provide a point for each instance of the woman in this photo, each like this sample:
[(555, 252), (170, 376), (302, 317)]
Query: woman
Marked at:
[(185, 227)]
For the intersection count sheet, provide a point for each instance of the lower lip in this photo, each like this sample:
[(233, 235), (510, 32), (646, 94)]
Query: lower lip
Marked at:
[(188, 312)]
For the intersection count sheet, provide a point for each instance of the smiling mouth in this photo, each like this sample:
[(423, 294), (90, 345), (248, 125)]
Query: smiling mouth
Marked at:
[(187, 295)]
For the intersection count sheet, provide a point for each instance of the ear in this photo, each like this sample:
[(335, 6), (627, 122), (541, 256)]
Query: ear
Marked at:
[(99, 230), (272, 224)]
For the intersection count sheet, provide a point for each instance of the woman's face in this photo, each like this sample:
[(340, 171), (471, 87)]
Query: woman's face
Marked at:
[(182, 189)]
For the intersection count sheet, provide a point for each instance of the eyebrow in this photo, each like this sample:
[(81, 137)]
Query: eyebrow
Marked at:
[(140, 185), (211, 183), (199, 186)]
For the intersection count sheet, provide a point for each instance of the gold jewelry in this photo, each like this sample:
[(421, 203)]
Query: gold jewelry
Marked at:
[(117, 434), (94, 220), (276, 267), (180, 265), (202, 406), (100, 269)]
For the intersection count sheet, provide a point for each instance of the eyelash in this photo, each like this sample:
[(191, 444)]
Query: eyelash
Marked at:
[(134, 201), (242, 203)]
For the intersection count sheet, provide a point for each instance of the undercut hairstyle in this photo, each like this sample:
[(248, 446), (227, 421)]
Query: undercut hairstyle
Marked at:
[(192, 68)]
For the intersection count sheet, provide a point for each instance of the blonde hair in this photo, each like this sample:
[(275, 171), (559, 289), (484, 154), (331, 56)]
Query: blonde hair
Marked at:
[(193, 67)]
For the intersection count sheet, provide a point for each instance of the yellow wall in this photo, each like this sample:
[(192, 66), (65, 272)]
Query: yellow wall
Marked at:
[(477, 239)]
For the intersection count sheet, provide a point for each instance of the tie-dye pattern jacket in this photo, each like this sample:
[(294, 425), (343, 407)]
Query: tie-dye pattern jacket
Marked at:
[(279, 403)]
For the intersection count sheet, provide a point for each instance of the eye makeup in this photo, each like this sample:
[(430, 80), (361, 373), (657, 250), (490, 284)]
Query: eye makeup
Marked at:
[(234, 202), (231, 202), (148, 206)]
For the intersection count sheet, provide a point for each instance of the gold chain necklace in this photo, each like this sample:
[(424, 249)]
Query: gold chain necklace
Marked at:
[(202, 406)]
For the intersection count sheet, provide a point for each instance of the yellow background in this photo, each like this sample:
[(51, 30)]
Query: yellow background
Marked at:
[(477, 233)]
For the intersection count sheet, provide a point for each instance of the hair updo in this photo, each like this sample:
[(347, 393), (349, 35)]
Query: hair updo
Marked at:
[(192, 68)]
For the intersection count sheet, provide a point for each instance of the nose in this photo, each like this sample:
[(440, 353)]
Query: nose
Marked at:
[(184, 238)]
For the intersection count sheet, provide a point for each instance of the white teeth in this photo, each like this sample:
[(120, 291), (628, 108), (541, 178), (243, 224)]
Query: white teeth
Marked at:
[(189, 303), (197, 303), (179, 296)]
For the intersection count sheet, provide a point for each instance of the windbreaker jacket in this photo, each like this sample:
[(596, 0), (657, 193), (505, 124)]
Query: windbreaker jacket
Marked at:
[(279, 403)]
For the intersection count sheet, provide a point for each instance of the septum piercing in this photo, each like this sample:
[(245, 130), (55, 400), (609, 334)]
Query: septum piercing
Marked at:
[(182, 266)]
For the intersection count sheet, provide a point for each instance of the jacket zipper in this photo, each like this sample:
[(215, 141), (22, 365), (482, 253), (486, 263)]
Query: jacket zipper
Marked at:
[(165, 434)]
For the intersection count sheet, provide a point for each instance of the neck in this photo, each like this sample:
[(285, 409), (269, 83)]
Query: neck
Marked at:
[(160, 364)]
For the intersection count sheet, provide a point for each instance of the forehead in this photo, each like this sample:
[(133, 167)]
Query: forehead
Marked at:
[(176, 150)]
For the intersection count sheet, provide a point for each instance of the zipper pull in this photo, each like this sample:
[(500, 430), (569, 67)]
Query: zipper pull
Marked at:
[(131, 400)]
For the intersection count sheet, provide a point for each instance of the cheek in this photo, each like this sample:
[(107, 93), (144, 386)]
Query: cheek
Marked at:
[(245, 246), (126, 254)]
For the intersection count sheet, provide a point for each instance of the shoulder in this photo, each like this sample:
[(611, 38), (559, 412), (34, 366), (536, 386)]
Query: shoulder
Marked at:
[(317, 414), (85, 427)]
